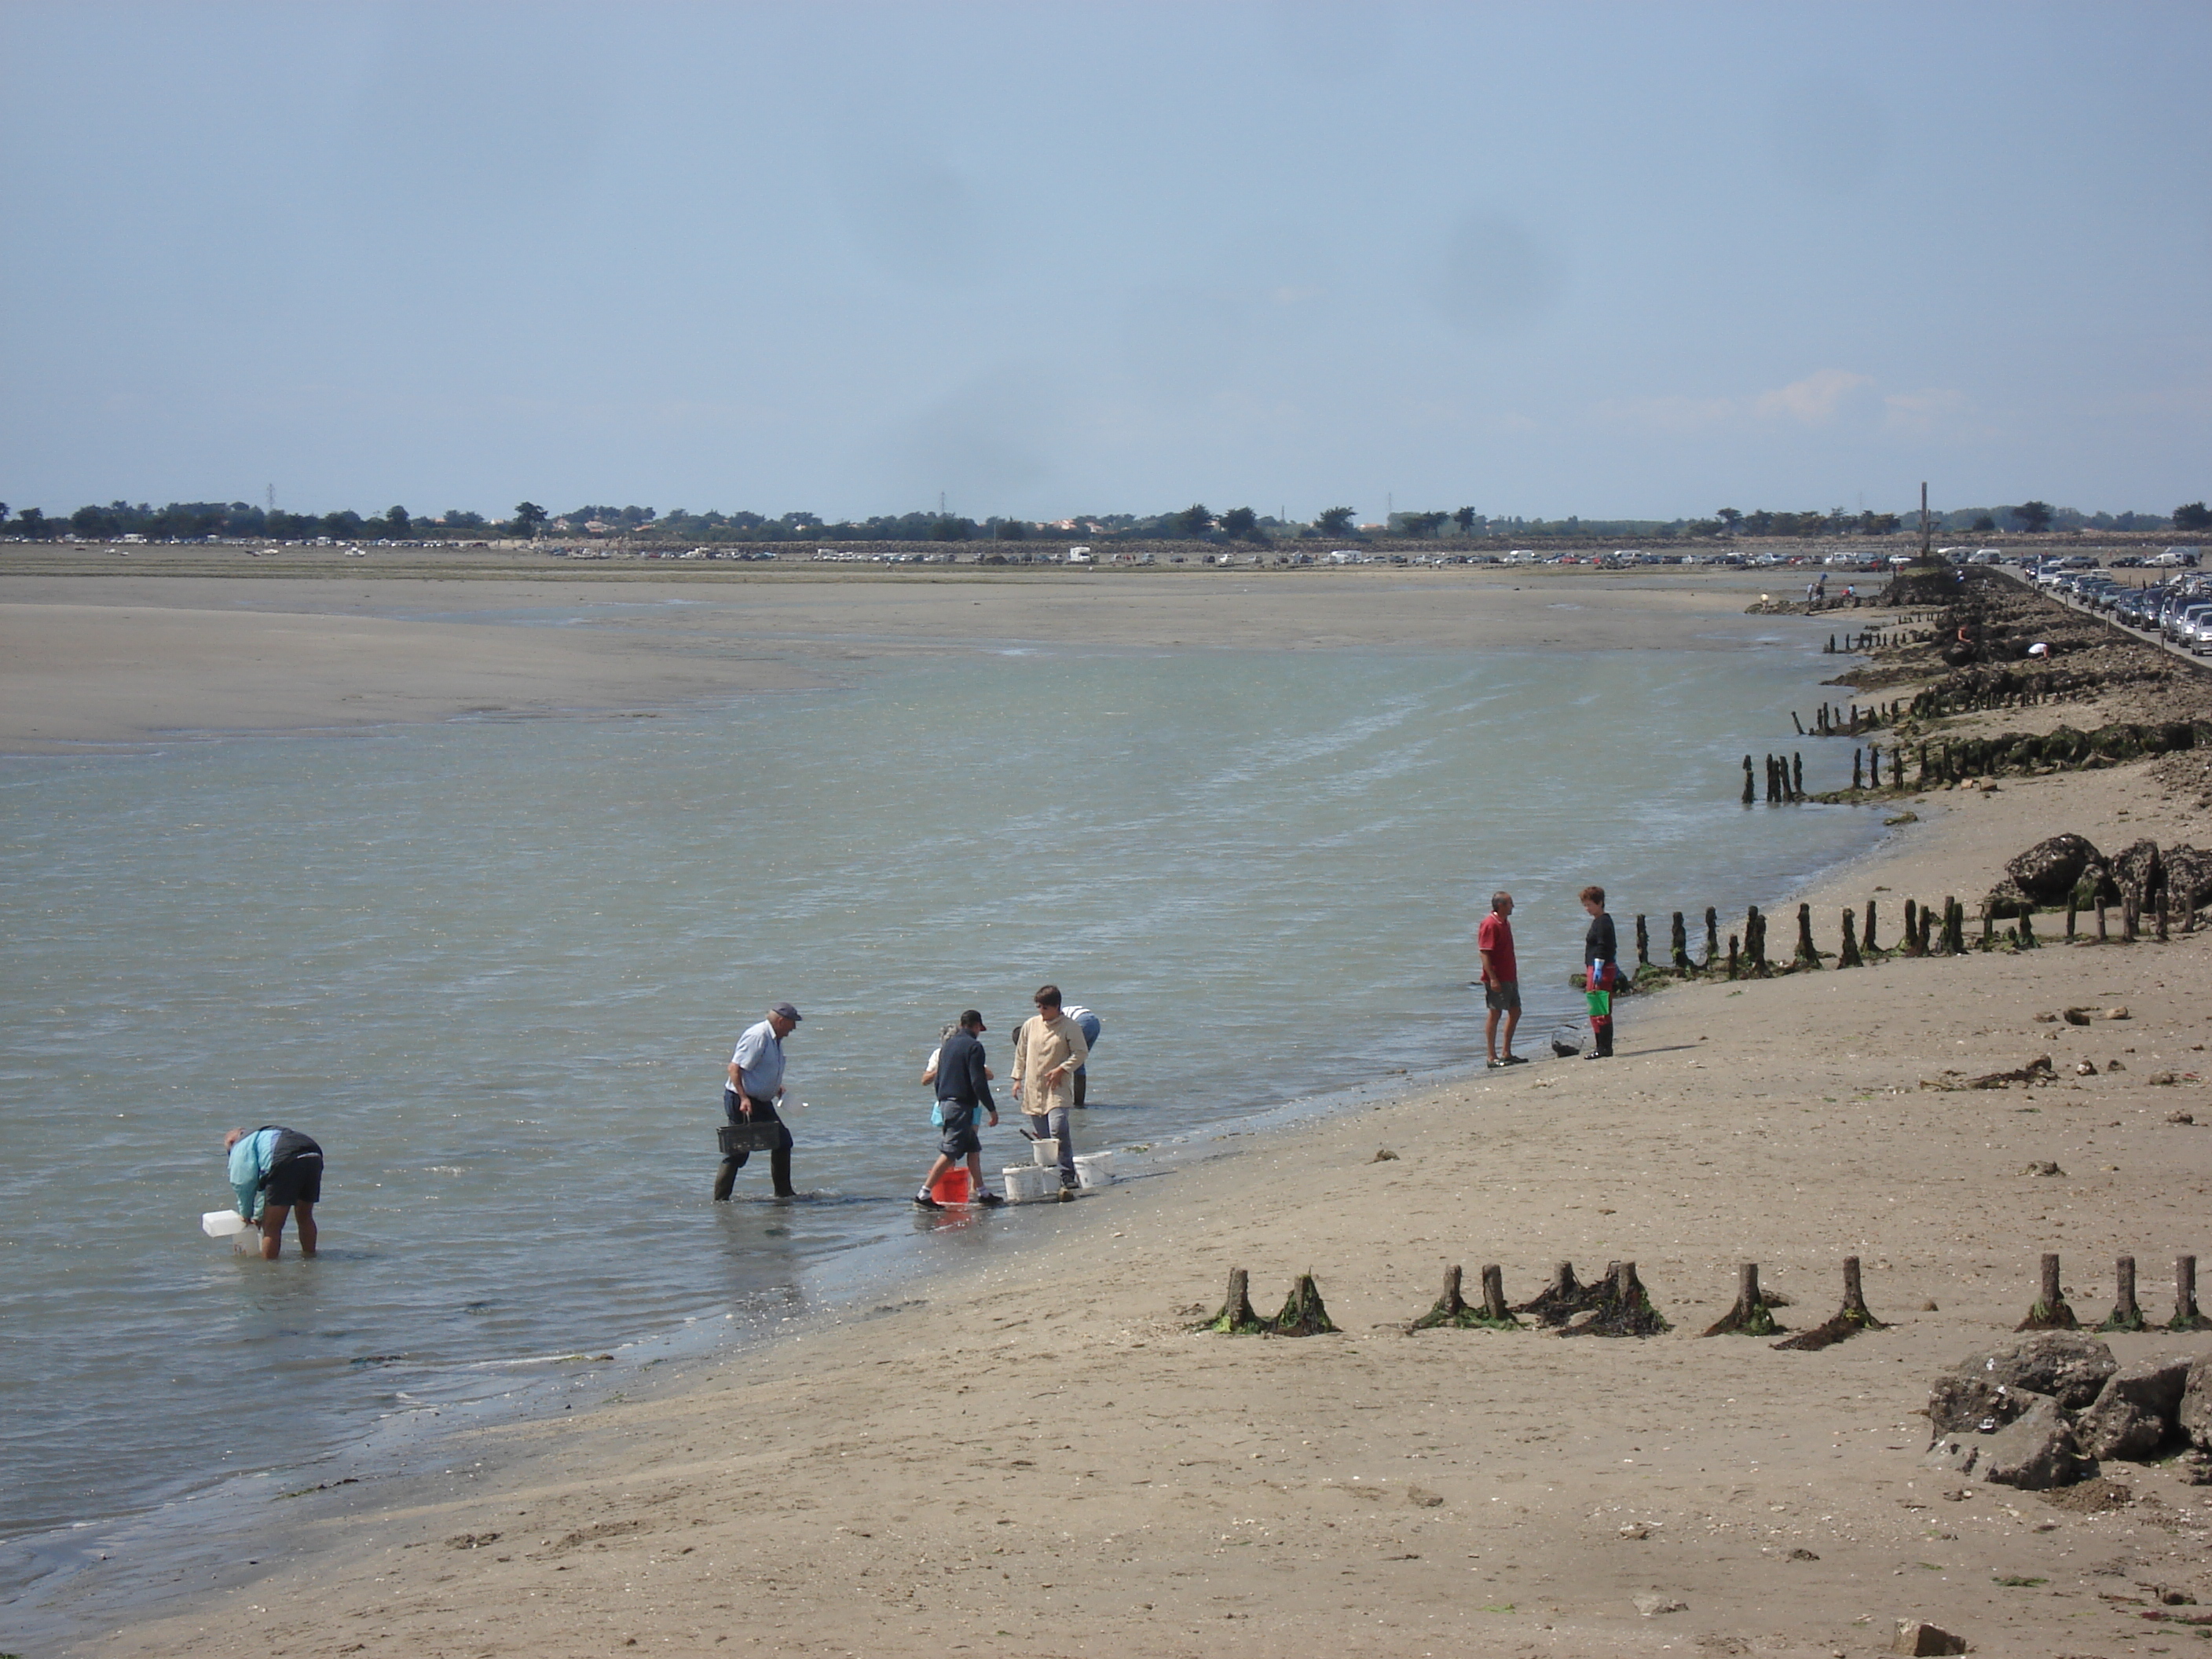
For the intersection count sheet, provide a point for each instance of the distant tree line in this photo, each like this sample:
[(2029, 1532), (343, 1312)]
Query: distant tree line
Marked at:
[(242, 520)]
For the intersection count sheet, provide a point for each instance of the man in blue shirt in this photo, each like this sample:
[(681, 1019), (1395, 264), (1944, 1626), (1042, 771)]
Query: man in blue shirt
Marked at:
[(1087, 1023), (274, 1172), (755, 1084)]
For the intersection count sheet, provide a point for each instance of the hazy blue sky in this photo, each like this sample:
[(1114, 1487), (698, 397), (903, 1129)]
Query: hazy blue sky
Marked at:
[(1641, 259)]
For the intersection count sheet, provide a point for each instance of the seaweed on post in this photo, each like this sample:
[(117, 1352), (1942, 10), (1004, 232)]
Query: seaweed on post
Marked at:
[(1235, 1317), (1560, 1300), (1751, 1316), (1623, 1307), (1303, 1314), (2050, 1312), (1850, 1319)]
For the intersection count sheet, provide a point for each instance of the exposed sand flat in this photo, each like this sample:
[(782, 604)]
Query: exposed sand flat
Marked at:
[(123, 659)]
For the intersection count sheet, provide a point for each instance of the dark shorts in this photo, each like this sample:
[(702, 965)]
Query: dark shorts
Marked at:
[(1504, 998), (960, 1136), (295, 1180)]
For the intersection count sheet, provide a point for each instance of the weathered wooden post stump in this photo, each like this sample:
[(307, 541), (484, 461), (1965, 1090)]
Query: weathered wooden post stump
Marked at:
[(1494, 1309), (1988, 925), (2162, 919), (1795, 721), (1849, 955), (1750, 1316), (2125, 1315), (2050, 1312), (1897, 766), (2023, 935), (2130, 920), (1956, 912), (1643, 943), (1797, 776), (1808, 955), (1712, 937), (1560, 1299), (2104, 934), (1912, 929), (1678, 945), (1867, 941), (1749, 795), (1450, 1306), (1852, 1317), (1303, 1314), (1237, 1317), (2185, 1317), (1623, 1307), (1732, 956)]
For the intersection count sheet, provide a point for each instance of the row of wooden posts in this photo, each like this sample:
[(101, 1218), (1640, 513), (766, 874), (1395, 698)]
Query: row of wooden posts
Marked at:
[(1835, 720), (1874, 639), (1620, 1306), (1927, 934), (1785, 774)]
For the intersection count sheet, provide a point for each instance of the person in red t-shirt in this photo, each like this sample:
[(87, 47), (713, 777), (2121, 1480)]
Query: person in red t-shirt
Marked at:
[(1501, 980)]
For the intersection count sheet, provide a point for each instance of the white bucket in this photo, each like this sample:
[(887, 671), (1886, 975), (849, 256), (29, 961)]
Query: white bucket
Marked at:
[(1045, 1152), (222, 1224), (1095, 1170), (1029, 1183)]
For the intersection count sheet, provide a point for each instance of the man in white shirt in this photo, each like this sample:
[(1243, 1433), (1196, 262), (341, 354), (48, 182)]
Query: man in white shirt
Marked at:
[(1047, 1050), (754, 1086)]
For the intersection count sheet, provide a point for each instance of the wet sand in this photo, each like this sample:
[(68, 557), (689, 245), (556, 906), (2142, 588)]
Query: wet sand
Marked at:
[(1050, 1460), (92, 661)]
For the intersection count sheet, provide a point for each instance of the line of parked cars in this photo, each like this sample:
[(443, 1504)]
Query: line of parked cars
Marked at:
[(2178, 607)]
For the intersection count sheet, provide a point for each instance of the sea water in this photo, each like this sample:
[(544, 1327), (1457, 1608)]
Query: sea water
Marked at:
[(497, 969)]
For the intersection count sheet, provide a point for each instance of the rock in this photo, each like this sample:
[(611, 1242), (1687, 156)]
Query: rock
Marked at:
[(1652, 1604), (1917, 1636), (2077, 1015), (2188, 877), (2069, 1367), (2085, 1068), (2115, 1065), (2139, 874), (2044, 1167), (2194, 1414), (2049, 871), (2116, 1013), (2034, 1452), (2137, 1411), (2047, 1019), (2181, 1117), (2163, 1079)]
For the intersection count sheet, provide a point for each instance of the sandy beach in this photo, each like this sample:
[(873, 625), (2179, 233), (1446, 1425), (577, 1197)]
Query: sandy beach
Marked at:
[(1052, 1461)]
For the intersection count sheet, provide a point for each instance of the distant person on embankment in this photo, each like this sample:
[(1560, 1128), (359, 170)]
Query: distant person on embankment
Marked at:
[(1087, 1023), (964, 1084), (1501, 980), (1599, 959), (754, 1087), (1047, 1050), (276, 1172)]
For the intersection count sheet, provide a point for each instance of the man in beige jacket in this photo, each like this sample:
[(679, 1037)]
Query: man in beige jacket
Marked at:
[(1047, 1050)]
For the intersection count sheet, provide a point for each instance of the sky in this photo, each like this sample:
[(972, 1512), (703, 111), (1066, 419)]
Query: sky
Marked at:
[(1642, 261)]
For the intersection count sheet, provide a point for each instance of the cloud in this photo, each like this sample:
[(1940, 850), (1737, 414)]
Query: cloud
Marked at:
[(1921, 414), (1813, 400)]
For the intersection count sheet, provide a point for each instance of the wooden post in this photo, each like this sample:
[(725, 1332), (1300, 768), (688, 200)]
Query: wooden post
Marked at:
[(1897, 766), (1732, 956), (1869, 931), (1643, 944), (2185, 1317), (1754, 940), (2050, 1312), (1912, 929), (1795, 721), (1988, 924), (1749, 795), (2125, 1315), (1678, 939), (1858, 758), (2104, 935), (1808, 955), (2162, 919), (2024, 934), (1797, 776), (1873, 766), (1850, 1319), (1712, 937), (1849, 955), (2073, 910), (1493, 1294), (1750, 1316), (1237, 1317)]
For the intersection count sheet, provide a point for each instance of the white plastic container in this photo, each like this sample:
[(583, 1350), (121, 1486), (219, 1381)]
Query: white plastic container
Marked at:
[(223, 1223), (1097, 1169), (1029, 1183), (1045, 1152)]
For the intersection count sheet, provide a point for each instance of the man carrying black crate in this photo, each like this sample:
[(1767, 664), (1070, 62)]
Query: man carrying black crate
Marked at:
[(750, 1098)]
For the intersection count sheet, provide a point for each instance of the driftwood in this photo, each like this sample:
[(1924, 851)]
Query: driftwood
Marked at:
[(2050, 1312), (2039, 1070), (1850, 1319), (1750, 1316), (2125, 1315)]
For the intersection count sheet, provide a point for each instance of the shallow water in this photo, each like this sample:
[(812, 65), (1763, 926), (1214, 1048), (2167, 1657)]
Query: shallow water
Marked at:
[(497, 970)]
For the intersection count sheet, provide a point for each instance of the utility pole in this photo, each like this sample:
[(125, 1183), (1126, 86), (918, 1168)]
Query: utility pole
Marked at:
[(272, 498), (1927, 538)]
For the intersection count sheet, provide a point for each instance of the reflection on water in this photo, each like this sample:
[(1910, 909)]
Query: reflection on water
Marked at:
[(496, 971)]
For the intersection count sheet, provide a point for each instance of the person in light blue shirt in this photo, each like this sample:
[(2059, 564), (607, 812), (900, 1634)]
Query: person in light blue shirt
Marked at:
[(752, 1086), (276, 1172), (1087, 1023)]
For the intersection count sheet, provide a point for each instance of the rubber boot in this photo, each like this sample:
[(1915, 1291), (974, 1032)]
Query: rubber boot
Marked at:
[(1080, 1083), (725, 1179)]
